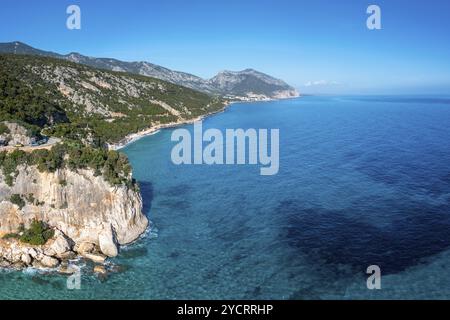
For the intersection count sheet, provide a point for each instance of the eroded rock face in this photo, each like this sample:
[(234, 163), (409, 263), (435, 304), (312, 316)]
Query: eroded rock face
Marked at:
[(83, 208), (17, 134), (58, 245), (107, 242)]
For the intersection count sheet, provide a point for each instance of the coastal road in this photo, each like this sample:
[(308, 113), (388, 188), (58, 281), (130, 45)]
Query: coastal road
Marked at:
[(47, 146)]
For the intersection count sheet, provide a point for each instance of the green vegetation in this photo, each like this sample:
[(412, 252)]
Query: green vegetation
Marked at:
[(112, 165), (3, 129), (31, 95), (37, 235), (33, 107), (30, 198), (10, 162), (27, 98), (17, 200), (11, 236)]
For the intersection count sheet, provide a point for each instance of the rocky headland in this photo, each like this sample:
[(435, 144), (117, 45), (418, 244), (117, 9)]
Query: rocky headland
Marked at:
[(90, 218)]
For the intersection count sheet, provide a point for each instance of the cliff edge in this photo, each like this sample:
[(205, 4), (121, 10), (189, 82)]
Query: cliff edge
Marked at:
[(93, 217)]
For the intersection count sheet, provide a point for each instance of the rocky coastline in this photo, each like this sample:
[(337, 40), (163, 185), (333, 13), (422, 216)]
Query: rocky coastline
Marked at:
[(89, 217), (131, 138)]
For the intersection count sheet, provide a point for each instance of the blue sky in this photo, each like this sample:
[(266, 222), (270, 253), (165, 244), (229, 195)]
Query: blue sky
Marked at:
[(318, 46)]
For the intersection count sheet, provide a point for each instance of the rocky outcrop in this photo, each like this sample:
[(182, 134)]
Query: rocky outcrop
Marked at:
[(89, 215), (13, 253), (16, 134)]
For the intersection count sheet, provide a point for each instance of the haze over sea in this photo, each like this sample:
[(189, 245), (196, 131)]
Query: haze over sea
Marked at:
[(363, 180)]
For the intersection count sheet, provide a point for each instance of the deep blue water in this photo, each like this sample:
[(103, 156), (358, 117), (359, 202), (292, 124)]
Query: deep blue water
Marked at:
[(362, 181)]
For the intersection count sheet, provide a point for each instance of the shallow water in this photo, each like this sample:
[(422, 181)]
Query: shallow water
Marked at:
[(362, 181)]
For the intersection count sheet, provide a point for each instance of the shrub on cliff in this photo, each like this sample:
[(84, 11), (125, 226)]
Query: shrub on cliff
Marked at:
[(11, 236), (38, 234), (3, 129), (9, 162), (112, 165), (48, 161), (17, 200)]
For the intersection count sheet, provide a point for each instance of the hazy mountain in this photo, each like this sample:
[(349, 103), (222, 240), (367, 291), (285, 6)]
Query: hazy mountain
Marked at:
[(247, 85), (251, 82)]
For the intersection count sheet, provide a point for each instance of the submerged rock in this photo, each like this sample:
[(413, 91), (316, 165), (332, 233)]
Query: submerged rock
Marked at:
[(67, 269), (100, 269), (68, 255), (97, 258)]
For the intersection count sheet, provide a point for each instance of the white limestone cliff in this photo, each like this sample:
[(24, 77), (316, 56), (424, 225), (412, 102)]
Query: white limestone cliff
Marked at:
[(94, 216)]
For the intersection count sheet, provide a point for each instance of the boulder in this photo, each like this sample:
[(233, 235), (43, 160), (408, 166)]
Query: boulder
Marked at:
[(26, 258), (49, 262), (17, 134), (18, 265), (57, 246), (16, 254), (68, 255), (84, 248), (107, 242), (32, 252), (97, 258), (4, 263)]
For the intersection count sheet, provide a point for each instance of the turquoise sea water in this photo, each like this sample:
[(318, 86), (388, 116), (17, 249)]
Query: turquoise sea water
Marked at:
[(362, 181)]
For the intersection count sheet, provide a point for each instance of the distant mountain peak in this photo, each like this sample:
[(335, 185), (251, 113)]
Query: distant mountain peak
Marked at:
[(76, 54), (238, 72), (18, 43)]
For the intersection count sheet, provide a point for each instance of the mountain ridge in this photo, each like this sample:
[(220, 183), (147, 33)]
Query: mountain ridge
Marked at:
[(247, 84), (112, 104)]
